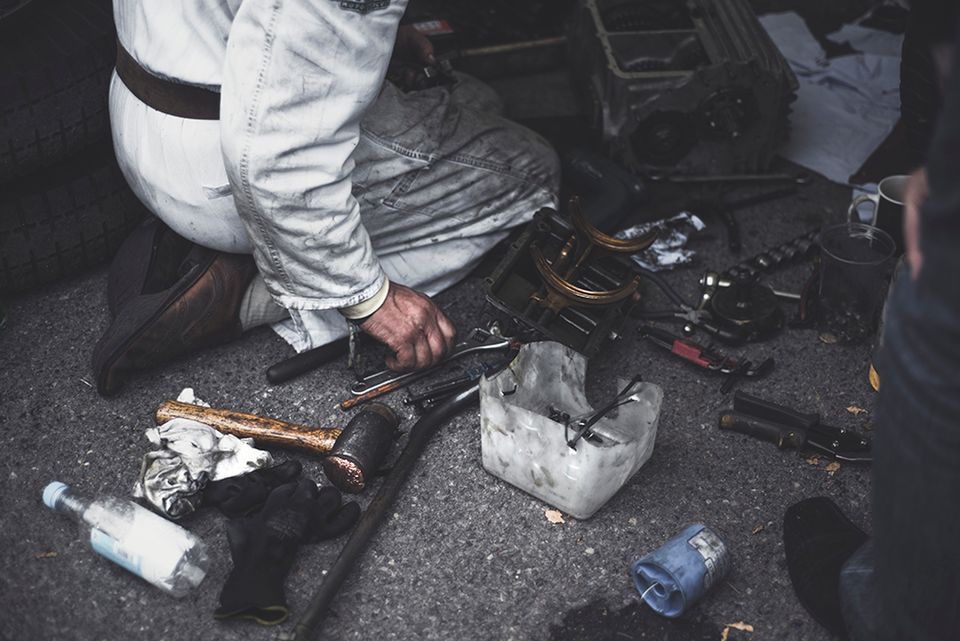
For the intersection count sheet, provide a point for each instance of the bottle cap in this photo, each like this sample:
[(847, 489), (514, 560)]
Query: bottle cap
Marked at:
[(53, 492)]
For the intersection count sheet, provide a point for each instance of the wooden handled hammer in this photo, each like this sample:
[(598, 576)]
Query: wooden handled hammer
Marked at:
[(352, 455)]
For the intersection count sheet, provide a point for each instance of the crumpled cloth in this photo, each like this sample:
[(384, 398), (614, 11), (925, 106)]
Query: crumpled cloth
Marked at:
[(189, 455), (669, 249)]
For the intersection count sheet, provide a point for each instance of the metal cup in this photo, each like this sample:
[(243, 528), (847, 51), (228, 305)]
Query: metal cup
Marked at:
[(856, 261), (887, 208)]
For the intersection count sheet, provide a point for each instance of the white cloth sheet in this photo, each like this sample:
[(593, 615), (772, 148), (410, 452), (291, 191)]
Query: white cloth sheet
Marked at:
[(847, 105)]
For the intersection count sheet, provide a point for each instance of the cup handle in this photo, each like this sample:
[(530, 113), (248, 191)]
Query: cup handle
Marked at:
[(852, 215)]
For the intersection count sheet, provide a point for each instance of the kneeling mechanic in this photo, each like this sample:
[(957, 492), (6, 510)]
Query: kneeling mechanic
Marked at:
[(293, 185)]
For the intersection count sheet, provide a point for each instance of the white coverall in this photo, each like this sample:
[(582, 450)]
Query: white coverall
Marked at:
[(329, 175)]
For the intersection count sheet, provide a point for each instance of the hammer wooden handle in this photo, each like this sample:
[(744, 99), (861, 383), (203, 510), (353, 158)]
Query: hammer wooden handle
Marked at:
[(261, 429)]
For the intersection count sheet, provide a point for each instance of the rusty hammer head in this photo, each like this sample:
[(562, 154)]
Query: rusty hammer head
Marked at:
[(351, 460), (361, 448)]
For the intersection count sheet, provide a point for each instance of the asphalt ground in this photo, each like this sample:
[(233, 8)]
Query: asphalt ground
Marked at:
[(462, 555)]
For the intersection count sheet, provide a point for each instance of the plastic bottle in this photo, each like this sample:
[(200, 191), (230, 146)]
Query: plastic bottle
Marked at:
[(159, 551)]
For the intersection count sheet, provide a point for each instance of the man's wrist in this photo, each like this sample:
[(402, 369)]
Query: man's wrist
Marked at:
[(365, 309)]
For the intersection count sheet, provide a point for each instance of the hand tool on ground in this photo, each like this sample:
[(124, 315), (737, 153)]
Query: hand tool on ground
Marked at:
[(706, 357), (420, 435), (303, 362), (735, 315), (374, 385), (429, 397), (788, 428), (352, 455)]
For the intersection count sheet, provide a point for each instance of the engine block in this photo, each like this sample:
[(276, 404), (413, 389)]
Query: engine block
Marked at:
[(681, 86)]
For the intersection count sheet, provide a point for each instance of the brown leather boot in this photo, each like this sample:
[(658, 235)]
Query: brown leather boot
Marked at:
[(199, 310)]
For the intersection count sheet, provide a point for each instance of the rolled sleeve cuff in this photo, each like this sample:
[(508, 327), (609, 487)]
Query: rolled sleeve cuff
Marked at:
[(310, 303), (369, 306)]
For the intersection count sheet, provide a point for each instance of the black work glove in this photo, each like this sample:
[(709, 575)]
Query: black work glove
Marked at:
[(239, 495), (264, 545)]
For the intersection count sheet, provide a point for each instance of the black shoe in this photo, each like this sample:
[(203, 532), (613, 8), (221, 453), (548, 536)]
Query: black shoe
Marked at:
[(146, 263), (818, 539), (200, 309)]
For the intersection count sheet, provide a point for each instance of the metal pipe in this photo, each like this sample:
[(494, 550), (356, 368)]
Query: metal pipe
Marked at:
[(369, 522), (511, 47)]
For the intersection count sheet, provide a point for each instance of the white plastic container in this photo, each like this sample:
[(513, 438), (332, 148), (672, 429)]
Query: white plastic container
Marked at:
[(522, 445)]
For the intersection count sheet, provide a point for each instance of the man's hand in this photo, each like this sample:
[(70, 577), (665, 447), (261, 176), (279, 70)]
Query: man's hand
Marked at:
[(914, 196), (410, 324), (412, 52), (414, 46)]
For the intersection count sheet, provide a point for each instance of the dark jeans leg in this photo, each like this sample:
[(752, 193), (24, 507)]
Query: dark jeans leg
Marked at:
[(915, 589)]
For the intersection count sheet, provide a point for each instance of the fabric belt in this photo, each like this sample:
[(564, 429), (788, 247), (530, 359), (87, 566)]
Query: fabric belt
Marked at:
[(166, 96)]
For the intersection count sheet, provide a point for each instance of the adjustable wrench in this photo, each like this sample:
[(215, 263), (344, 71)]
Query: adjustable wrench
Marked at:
[(373, 385)]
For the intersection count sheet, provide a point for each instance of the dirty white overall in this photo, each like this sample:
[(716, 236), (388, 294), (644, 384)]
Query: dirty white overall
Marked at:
[(329, 175)]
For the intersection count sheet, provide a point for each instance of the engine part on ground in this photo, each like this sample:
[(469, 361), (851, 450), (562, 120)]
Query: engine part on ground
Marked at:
[(566, 280), (803, 247), (420, 435), (65, 219), (736, 314), (526, 430), (688, 87), (748, 309), (672, 578), (56, 57)]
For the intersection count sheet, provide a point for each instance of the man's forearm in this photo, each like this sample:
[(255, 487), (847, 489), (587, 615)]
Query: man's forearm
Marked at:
[(297, 79)]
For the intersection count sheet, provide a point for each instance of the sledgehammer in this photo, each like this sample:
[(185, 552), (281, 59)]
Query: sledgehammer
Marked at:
[(352, 455)]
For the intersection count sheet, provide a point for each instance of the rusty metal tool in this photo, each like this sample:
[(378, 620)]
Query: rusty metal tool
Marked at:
[(352, 455)]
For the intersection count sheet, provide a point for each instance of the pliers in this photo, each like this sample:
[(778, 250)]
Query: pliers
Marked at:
[(706, 357)]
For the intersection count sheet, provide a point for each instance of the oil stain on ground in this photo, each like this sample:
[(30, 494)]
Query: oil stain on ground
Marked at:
[(596, 622)]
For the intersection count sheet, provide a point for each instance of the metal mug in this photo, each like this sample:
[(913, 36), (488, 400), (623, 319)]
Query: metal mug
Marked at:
[(887, 208)]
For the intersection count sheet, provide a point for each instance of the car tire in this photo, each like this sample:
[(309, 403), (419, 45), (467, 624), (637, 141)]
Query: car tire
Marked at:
[(56, 57), (64, 220)]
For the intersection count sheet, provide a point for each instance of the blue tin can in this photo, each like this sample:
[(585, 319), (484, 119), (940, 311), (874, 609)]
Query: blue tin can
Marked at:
[(674, 577)]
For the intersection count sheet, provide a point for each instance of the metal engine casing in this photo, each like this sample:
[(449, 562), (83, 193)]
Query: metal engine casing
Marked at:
[(681, 86)]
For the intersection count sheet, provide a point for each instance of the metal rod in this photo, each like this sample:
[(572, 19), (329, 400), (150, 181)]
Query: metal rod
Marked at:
[(369, 522), (511, 47)]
